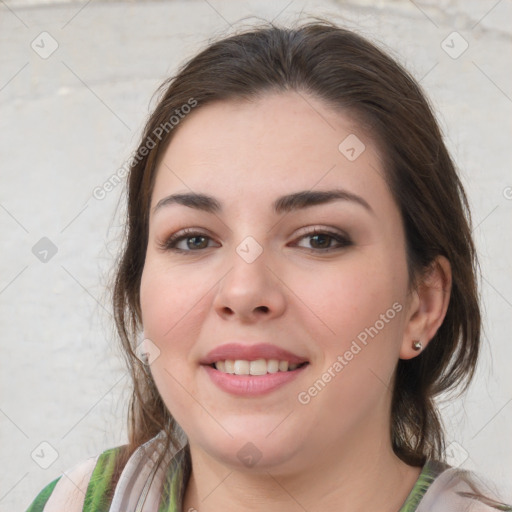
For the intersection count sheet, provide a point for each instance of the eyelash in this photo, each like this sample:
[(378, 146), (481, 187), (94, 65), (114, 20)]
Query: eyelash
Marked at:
[(170, 243)]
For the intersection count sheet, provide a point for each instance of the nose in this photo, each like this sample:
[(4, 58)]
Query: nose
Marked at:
[(250, 291)]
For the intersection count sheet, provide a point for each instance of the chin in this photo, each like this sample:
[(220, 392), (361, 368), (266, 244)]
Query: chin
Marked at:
[(254, 457), (256, 446)]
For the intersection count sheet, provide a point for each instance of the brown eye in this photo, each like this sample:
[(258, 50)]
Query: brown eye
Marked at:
[(197, 242), (325, 241), (322, 241)]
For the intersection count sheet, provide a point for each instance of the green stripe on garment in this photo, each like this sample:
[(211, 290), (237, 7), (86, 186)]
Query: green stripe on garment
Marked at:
[(99, 492), (170, 501), (40, 501), (428, 474)]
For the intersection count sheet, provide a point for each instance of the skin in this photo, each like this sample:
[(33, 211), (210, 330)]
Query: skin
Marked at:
[(333, 453)]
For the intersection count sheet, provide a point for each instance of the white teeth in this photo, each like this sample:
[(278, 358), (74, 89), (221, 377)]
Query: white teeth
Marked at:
[(257, 367), (272, 366), (241, 367), (229, 366)]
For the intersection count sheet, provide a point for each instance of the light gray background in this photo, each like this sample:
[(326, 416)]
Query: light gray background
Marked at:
[(69, 122)]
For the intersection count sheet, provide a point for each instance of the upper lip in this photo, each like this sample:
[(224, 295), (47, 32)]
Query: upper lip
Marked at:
[(234, 351)]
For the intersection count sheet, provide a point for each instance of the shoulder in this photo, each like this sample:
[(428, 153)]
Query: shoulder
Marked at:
[(455, 489), (85, 486)]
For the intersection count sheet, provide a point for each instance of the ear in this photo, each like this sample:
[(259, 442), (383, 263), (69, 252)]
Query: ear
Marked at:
[(427, 307)]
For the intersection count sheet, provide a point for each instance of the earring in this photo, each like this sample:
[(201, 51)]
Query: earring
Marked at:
[(416, 345)]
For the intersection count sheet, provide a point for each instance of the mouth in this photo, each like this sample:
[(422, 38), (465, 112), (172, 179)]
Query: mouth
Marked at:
[(252, 370), (255, 367)]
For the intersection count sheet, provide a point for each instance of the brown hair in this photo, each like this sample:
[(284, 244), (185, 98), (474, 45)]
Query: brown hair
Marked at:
[(351, 74)]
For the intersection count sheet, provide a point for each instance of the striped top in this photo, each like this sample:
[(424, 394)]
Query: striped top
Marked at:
[(143, 487)]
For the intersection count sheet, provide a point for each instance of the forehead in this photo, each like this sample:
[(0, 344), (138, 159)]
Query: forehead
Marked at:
[(269, 146)]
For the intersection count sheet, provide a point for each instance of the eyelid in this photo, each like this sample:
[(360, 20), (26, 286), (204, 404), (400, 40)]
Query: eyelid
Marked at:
[(328, 230)]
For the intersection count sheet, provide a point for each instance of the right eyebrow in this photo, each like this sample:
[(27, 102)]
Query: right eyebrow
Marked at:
[(192, 200)]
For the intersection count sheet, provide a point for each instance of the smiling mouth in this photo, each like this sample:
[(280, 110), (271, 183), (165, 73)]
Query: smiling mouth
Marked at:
[(256, 367)]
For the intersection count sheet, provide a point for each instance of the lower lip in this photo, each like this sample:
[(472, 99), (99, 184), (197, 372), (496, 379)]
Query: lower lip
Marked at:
[(251, 385)]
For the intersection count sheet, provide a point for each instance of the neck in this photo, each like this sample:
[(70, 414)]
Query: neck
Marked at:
[(342, 477)]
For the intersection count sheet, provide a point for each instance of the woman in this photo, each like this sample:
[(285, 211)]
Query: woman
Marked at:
[(297, 286)]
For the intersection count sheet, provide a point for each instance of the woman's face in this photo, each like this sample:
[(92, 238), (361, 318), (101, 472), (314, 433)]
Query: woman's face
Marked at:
[(274, 274)]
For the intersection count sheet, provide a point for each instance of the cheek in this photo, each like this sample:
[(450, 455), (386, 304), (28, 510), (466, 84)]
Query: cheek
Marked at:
[(170, 302), (172, 312), (346, 300), (363, 311)]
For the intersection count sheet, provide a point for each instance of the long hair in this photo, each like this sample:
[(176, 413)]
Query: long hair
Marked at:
[(348, 73)]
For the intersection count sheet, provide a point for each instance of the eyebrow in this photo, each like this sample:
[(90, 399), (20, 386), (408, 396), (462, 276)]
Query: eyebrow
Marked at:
[(284, 204)]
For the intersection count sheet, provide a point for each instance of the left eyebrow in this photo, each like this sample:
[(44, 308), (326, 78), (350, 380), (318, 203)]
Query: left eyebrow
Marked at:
[(284, 204), (308, 198)]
